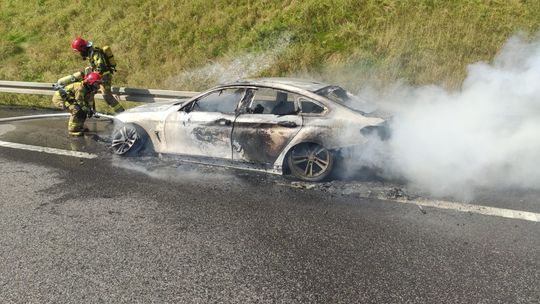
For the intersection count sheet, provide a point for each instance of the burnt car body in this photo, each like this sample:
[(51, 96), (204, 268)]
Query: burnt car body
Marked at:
[(275, 125)]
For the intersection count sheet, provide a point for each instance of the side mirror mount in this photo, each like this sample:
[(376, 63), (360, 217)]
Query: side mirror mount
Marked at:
[(188, 107)]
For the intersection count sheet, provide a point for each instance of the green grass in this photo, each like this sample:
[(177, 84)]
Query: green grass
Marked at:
[(158, 43)]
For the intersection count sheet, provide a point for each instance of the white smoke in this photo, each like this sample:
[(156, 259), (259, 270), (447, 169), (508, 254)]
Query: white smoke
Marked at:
[(485, 135), (227, 70)]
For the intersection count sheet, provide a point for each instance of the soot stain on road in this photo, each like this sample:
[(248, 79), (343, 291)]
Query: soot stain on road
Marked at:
[(361, 187), (181, 172)]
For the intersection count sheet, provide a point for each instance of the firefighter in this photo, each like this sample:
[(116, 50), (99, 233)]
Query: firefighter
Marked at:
[(78, 99), (101, 61)]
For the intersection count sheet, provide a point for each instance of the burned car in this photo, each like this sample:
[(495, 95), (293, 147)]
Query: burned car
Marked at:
[(277, 125)]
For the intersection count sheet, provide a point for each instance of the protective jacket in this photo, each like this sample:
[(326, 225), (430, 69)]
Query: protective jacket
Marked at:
[(99, 62), (75, 93)]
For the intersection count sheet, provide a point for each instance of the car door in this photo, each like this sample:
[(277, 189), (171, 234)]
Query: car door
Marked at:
[(266, 124), (203, 127)]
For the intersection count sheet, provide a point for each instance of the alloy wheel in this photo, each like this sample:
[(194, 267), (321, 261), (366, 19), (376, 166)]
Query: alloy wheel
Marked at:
[(124, 139), (310, 162)]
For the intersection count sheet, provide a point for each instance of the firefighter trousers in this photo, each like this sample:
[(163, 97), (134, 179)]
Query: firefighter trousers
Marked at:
[(105, 89), (77, 116)]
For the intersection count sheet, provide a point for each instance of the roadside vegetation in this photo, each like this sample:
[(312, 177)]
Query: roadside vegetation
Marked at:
[(178, 44)]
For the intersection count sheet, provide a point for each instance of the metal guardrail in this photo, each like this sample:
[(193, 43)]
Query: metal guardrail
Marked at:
[(125, 94)]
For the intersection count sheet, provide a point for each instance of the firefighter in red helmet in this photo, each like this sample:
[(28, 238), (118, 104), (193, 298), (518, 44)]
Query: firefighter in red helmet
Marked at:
[(78, 99), (101, 61)]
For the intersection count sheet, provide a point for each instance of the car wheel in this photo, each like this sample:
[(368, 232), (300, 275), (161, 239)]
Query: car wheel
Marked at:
[(127, 140), (310, 162)]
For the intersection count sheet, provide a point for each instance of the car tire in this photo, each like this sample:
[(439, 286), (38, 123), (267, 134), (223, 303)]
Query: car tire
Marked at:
[(128, 140), (310, 162)]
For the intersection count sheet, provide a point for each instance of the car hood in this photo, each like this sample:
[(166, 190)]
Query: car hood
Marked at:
[(161, 106)]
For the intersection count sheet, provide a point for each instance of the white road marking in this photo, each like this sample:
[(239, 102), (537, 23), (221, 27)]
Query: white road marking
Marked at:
[(456, 206), (47, 150), (478, 209)]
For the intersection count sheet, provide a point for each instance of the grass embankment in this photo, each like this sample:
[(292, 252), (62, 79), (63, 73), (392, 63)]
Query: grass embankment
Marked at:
[(158, 44)]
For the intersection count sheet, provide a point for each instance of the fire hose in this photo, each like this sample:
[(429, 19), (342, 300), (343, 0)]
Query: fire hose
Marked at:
[(53, 115)]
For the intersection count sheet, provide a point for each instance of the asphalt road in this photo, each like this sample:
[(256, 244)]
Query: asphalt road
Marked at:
[(148, 230)]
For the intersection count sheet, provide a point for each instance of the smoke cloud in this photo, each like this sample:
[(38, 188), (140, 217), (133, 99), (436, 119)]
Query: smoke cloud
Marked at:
[(486, 135), (448, 143), (243, 66)]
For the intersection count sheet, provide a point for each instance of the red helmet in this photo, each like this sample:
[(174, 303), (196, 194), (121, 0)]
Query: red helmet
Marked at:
[(93, 78), (79, 44)]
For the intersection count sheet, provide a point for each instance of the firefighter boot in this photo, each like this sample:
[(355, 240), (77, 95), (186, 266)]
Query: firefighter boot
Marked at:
[(76, 121)]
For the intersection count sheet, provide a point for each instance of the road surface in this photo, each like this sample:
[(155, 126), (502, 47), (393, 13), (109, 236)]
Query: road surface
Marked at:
[(93, 228)]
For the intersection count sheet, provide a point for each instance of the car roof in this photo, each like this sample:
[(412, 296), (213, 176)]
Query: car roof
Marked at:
[(303, 84)]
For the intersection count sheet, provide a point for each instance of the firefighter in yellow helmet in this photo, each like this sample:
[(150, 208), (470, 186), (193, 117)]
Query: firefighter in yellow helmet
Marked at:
[(78, 99), (102, 62)]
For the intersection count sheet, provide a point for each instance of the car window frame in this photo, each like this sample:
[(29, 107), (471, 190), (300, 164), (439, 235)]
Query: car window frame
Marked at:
[(295, 101), (325, 108), (188, 108)]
